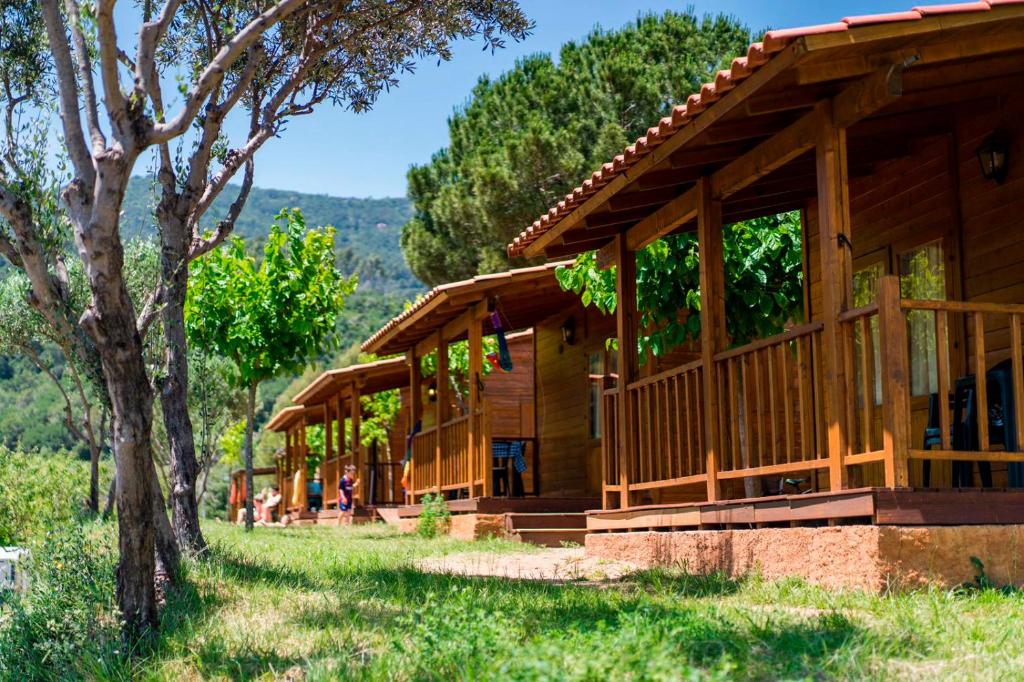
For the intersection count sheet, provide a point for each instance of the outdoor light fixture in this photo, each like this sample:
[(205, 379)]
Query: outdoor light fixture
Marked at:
[(432, 393), (993, 155), (569, 331)]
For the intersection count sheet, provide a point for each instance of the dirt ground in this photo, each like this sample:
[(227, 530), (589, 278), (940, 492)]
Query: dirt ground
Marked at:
[(552, 565)]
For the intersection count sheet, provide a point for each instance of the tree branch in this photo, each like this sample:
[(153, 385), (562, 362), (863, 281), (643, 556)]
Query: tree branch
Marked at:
[(112, 95), (222, 61), (150, 310), (201, 246), (92, 119), (67, 84)]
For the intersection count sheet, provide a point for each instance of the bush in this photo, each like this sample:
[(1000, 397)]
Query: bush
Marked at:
[(39, 492), (435, 517), (67, 621)]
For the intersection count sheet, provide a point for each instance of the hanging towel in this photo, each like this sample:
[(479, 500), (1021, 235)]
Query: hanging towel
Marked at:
[(505, 357), (297, 489)]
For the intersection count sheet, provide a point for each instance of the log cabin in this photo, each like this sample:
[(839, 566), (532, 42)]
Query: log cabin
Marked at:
[(898, 402), (547, 399), (332, 401)]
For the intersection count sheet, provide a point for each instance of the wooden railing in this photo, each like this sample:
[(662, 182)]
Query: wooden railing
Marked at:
[(859, 332), (610, 440), (769, 413), (383, 483), (669, 446), (996, 394), (424, 462), (455, 453)]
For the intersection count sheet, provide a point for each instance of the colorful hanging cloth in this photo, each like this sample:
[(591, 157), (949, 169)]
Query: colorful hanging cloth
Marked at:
[(504, 356)]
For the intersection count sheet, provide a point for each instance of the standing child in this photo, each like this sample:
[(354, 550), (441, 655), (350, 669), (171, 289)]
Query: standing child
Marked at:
[(346, 491)]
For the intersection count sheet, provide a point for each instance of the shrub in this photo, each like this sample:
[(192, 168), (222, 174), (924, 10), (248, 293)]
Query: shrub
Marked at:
[(435, 517), (68, 619), (39, 492)]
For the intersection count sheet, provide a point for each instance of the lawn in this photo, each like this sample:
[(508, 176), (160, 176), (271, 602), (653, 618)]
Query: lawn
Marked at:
[(329, 603)]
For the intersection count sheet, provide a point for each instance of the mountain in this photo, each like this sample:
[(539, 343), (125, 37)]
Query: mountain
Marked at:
[(367, 238)]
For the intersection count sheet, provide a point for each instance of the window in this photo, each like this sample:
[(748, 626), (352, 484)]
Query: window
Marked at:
[(600, 365), (923, 277), (869, 270)]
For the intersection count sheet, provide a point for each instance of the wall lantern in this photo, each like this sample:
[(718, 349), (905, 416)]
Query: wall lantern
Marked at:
[(432, 393), (569, 331), (993, 155)]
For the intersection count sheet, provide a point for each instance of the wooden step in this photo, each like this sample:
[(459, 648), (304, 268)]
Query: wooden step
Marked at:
[(517, 521), (551, 537)]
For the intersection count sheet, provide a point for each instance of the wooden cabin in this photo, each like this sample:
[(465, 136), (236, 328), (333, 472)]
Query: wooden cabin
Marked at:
[(236, 494), (550, 400), (900, 140), (329, 401)]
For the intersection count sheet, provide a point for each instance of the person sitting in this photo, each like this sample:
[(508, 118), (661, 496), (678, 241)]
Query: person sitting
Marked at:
[(270, 505), (257, 510)]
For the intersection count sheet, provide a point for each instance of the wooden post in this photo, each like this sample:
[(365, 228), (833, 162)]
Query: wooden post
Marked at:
[(892, 332), (440, 411), (415, 415), (476, 370), (357, 448), (713, 333), (836, 286), (626, 326), (303, 468)]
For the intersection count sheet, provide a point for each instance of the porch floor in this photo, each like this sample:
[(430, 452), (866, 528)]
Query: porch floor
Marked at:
[(866, 506), (508, 505)]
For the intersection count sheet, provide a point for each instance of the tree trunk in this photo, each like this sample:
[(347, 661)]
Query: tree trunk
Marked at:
[(111, 323), (111, 496), (250, 415), (174, 401), (165, 546)]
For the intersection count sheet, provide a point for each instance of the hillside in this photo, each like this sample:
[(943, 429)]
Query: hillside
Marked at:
[(368, 229), (367, 241)]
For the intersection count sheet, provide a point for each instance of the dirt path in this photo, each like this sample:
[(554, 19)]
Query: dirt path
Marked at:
[(552, 565)]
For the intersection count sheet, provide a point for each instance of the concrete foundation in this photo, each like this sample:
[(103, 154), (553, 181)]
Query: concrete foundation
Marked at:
[(464, 526), (872, 558)]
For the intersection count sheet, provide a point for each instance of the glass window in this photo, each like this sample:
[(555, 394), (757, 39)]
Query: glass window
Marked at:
[(923, 277), (865, 292), (595, 366)]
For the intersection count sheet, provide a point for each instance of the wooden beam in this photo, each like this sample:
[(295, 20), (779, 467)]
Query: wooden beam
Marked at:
[(713, 335), (892, 333), (854, 103), (357, 446), (768, 156), (476, 371), (440, 407), (464, 322), (836, 281), (627, 323)]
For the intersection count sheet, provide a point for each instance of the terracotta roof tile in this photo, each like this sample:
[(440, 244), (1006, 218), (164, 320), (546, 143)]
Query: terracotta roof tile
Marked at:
[(953, 8), (758, 54), (885, 18)]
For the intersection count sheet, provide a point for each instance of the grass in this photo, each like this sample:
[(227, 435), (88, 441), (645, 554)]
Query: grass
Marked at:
[(337, 603)]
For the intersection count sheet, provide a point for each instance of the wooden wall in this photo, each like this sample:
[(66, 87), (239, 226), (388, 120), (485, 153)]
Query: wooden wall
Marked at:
[(509, 396), (570, 460)]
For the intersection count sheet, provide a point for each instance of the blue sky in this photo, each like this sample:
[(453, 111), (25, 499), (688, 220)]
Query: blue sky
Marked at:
[(336, 152)]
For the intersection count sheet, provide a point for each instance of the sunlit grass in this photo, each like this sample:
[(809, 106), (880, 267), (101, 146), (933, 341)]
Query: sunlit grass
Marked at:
[(326, 603)]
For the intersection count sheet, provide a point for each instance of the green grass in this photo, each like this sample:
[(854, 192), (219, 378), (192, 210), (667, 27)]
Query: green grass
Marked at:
[(335, 603)]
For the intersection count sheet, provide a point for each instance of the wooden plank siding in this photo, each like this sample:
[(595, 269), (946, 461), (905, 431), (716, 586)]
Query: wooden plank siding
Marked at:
[(570, 461)]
